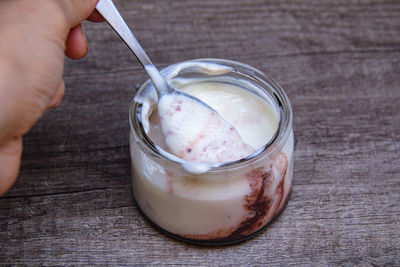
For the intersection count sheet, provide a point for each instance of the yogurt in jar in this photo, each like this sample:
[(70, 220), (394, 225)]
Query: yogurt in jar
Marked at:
[(241, 192)]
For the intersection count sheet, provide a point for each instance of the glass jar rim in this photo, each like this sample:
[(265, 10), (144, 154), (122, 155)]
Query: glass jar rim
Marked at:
[(273, 147)]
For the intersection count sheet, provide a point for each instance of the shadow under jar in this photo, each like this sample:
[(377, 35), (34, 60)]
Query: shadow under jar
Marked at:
[(232, 201)]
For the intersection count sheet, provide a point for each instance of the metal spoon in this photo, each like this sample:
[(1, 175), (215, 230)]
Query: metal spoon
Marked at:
[(178, 123)]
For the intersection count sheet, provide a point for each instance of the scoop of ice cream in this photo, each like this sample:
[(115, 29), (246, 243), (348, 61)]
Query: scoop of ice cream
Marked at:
[(196, 133)]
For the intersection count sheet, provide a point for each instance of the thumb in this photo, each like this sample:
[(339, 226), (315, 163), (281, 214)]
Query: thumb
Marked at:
[(78, 10)]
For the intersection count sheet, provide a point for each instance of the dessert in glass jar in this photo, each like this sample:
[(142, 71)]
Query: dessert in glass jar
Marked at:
[(235, 195)]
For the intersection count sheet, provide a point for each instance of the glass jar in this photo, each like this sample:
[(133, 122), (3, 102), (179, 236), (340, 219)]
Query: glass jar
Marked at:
[(230, 202)]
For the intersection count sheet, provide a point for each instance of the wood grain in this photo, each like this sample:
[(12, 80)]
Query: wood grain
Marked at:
[(339, 62)]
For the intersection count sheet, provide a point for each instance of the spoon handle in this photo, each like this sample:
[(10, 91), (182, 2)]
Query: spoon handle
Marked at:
[(110, 13)]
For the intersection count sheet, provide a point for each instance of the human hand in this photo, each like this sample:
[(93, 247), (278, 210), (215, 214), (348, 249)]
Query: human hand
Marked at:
[(35, 36)]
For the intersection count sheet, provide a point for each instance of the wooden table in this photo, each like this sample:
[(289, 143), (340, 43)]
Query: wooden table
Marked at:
[(339, 62)]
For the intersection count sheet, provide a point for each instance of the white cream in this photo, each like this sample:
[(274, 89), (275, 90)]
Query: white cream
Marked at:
[(252, 117)]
